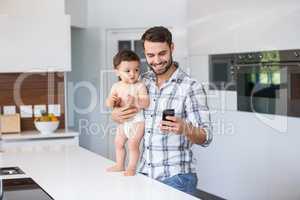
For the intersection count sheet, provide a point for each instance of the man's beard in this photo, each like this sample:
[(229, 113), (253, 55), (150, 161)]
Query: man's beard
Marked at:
[(167, 67)]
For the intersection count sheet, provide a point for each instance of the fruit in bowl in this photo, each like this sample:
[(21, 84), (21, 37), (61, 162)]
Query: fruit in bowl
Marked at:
[(47, 123)]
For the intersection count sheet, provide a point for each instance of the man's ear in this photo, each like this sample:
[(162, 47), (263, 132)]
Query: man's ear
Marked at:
[(172, 47)]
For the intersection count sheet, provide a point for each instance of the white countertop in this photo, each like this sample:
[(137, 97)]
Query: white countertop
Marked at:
[(25, 135), (74, 173)]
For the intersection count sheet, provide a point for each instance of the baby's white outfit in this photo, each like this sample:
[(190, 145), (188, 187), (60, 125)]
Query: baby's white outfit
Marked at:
[(128, 125)]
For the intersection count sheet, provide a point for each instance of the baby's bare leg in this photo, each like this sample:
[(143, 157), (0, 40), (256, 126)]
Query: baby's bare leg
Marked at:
[(120, 141), (133, 146)]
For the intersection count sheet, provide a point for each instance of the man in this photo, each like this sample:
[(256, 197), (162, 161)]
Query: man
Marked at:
[(167, 154)]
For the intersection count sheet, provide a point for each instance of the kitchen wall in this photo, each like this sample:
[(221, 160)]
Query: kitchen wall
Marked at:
[(89, 58), (32, 89), (252, 156)]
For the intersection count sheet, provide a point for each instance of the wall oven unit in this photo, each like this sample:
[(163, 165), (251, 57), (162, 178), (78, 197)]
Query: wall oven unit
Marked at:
[(268, 82), (221, 71)]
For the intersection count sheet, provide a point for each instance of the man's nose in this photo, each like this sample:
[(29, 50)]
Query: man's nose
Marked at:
[(157, 60)]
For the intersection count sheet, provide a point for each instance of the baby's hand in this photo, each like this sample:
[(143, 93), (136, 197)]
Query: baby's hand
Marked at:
[(116, 99)]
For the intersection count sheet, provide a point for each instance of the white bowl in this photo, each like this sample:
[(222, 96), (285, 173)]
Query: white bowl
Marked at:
[(46, 127)]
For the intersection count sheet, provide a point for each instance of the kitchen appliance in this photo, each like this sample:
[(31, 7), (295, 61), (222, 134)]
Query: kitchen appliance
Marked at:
[(221, 72), (22, 188), (268, 82), (168, 112), (10, 171)]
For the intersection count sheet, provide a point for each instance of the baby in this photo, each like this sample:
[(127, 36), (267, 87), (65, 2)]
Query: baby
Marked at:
[(128, 91)]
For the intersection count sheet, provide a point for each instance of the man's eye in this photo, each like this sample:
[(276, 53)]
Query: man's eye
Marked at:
[(127, 71), (137, 70)]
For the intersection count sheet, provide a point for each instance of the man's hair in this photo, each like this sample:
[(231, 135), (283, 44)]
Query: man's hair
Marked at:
[(125, 55), (157, 34)]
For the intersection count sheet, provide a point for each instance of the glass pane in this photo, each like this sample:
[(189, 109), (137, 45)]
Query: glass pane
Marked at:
[(138, 48), (276, 78), (124, 44)]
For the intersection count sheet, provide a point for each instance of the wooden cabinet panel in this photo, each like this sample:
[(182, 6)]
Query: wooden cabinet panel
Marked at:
[(34, 89)]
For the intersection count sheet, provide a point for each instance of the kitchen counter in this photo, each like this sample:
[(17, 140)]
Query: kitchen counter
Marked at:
[(74, 173), (33, 135)]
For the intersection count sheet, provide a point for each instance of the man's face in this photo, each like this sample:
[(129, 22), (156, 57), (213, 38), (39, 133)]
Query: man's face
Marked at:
[(159, 56)]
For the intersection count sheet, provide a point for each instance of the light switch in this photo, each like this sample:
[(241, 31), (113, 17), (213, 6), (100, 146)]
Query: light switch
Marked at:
[(26, 111), (38, 109), (9, 110), (54, 109)]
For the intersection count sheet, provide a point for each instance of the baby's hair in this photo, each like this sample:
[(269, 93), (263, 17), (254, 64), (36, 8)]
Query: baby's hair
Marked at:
[(125, 55)]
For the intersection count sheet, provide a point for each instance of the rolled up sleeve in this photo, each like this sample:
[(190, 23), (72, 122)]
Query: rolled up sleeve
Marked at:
[(197, 110)]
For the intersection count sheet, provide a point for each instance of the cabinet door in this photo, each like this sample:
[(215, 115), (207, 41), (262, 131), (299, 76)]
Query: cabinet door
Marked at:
[(32, 44)]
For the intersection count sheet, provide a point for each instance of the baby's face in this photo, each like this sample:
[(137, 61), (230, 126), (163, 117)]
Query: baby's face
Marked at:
[(129, 71)]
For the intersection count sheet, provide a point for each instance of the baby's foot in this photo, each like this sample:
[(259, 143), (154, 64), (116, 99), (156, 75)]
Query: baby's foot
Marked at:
[(115, 168), (129, 172)]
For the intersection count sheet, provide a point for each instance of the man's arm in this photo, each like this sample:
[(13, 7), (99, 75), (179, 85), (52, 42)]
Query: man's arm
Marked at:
[(194, 134), (143, 100), (122, 114), (197, 126), (177, 125)]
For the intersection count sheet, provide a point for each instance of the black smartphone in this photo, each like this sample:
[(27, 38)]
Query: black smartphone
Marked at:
[(168, 112)]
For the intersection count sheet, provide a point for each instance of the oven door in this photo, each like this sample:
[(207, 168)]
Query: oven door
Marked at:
[(293, 75), (262, 88)]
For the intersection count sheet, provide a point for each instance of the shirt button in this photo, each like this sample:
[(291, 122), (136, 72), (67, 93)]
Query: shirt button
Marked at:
[(149, 164), (154, 99), (148, 131), (151, 115), (148, 147)]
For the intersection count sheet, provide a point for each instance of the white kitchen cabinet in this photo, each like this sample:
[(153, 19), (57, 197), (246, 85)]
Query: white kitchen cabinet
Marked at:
[(242, 26), (77, 9), (32, 7), (35, 44)]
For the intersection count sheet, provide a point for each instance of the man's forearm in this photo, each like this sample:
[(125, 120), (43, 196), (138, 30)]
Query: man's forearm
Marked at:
[(121, 114), (194, 134)]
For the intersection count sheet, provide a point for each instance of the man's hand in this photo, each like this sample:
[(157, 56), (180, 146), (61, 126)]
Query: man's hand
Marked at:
[(176, 125), (122, 114)]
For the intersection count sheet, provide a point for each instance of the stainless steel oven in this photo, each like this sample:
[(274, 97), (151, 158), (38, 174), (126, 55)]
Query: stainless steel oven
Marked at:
[(268, 82), (221, 71)]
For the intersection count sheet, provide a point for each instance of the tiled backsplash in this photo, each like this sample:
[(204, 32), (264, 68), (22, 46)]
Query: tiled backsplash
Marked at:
[(29, 93)]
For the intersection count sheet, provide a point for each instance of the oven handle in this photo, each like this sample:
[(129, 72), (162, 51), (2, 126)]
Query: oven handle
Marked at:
[(237, 66)]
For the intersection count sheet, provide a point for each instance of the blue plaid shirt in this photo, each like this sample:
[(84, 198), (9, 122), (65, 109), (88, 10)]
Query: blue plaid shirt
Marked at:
[(165, 155)]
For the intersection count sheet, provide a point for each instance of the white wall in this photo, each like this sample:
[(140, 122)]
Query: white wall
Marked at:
[(104, 15), (249, 157)]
